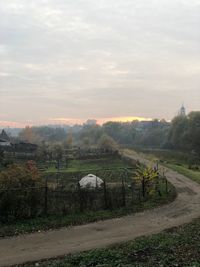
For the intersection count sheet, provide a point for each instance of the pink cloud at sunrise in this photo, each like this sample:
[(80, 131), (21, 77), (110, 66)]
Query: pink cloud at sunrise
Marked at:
[(68, 121), (12, 124)]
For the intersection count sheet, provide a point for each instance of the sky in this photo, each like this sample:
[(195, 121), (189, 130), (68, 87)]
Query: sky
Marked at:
[(66, 61)]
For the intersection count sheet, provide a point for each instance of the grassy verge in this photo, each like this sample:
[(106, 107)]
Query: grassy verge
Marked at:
[(192, 174), (176, 247), (58, 221), (177, 161)]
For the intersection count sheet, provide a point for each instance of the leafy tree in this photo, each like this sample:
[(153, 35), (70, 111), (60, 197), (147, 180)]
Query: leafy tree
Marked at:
[(113, 129), (177, 133), (85, 142), (91, 132), (27, 134), (185, 132), (57, 153), (42, 152), (107, 142), (193, 131), (21, 195), (147, 177), (44, 133), (69, 141), (19, 176), (153, 138)]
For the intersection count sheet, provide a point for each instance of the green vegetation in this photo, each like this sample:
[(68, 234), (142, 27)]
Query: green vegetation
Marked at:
[(110, 169), (181, 134), (90, 164), (25, 211), (19, 176), (175, 247), (185, 131), (183, 169), (57, 221), (177, 161), (165, 155)]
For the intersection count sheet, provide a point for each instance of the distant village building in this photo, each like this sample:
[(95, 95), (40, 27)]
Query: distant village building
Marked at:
[(16, 149), (25, 147), (91, 122), (4, 139)]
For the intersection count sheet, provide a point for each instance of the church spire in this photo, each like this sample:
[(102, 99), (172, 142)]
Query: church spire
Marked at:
[(182, 111)]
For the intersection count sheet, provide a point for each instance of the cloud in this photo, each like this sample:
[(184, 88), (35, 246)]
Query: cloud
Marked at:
[(98, 58)]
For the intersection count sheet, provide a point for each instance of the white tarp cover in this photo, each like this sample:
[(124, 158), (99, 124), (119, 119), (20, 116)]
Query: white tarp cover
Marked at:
[(91, 181)]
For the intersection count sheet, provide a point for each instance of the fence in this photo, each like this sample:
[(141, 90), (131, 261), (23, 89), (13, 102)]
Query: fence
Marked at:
[(70, 179), (37, 201), (23, 203)]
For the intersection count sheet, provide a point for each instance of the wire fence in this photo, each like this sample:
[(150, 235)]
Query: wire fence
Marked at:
[(32, 202)]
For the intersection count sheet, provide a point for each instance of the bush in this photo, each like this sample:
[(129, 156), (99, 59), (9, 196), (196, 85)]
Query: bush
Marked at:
[(16, 201)]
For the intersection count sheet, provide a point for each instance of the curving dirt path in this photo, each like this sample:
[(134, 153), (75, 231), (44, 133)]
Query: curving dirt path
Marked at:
[(34, 247)]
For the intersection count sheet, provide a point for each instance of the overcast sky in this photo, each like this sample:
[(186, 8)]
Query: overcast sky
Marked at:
[(80, 59)]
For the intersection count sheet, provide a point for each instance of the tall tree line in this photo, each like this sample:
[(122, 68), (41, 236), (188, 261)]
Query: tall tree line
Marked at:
[(182, 133)]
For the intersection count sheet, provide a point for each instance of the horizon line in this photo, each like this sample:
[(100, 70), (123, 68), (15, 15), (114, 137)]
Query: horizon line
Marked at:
[(72, 121)]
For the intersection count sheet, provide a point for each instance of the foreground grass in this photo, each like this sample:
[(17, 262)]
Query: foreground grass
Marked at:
[(178, 247), (58, 221)]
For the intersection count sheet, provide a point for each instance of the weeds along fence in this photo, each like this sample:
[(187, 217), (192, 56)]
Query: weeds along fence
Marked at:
[(32, 202)]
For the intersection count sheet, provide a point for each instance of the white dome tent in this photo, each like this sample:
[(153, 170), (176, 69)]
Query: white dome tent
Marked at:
[(91, 181)]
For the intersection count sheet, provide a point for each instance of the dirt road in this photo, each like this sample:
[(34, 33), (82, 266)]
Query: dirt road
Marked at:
[(34, 247)]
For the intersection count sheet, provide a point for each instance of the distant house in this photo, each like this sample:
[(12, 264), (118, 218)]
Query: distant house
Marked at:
[(4, 139), (17, 149), (25, 147)]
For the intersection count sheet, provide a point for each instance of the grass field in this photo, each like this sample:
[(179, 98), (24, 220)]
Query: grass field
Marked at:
[(166, 155), (177, 247), (90, 164), (110, 169)]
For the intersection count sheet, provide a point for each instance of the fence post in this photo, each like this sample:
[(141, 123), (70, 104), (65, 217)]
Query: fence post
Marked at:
[(57, 179), (157, 166), (143, 187), (105, 194), (158, 186), (46, 198), (123, 194), (132, 192), (80, 197), (166, 183), (139, 195)]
